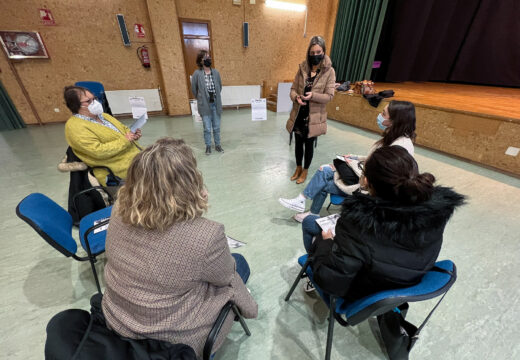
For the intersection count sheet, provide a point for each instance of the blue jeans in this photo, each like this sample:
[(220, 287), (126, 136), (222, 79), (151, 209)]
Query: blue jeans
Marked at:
[(321, 185), (242, 267), (211, 122), (310, 228)]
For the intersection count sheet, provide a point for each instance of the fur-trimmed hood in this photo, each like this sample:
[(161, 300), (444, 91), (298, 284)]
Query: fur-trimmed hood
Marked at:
[(404, 224)]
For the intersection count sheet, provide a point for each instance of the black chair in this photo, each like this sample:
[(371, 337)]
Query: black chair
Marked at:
[(78, 334), (436, 282)]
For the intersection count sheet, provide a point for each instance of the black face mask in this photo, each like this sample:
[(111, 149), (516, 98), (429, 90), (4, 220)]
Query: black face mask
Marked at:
[(207, 62), (315, 59)]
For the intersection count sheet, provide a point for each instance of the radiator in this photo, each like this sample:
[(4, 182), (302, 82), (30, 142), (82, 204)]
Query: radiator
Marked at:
[(240, 95), (119, 104)]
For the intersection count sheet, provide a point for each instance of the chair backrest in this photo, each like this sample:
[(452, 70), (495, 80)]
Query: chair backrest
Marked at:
[(50, 220), (96, 238), (433, 284), (96, 88)]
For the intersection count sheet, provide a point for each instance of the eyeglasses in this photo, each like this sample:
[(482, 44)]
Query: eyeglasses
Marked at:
[(89, 101), (361, 166)]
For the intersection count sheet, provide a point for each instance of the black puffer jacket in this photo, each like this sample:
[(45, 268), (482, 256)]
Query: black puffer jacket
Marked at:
[(381, 245)]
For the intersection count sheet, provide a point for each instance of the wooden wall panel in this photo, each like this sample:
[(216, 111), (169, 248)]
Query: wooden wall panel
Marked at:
[(479, 138), (84, 45), (276, 42), (163, 15)]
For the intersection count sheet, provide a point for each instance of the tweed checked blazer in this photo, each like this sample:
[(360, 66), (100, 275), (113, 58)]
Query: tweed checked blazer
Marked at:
[(171, 285)]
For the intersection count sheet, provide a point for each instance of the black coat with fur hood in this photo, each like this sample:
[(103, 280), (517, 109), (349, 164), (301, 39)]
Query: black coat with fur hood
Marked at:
[(382, 245)]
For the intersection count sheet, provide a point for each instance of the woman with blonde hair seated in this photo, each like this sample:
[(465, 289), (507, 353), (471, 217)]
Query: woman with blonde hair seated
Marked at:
[(169, 270)]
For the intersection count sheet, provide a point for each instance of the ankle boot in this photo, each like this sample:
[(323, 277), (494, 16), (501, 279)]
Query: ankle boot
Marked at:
[(297, 173), (302, 177)]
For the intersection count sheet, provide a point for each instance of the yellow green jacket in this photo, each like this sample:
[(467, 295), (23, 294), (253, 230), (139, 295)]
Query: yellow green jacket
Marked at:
[(98, 145)]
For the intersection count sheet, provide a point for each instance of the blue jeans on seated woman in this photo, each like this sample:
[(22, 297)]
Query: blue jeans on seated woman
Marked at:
[(242, 267), (310, 229), (321, 185)]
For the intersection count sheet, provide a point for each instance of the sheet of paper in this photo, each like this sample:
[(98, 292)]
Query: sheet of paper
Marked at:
[(328, 223), (138, 124), (138, 107), (233, 244), (258, 109), (102, 228)]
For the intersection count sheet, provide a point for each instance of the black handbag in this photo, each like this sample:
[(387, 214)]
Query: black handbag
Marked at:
[(399, 335)]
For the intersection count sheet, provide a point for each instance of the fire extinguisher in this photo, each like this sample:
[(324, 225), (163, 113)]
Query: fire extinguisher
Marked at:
[(142, 54)]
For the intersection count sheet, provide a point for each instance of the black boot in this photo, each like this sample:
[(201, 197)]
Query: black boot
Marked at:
[(219, 148), (208, 149)]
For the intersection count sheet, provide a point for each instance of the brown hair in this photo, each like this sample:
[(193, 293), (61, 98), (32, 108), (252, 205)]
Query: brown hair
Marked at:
[(394, 175), (402, 115), (72, 95), (315, 40), (163, 186), (200, 56)]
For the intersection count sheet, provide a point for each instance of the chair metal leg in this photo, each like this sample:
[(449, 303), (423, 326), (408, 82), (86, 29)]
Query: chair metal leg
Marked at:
[(332, 309), (330, 203), (241, 319), (95, 274), (297, 280)]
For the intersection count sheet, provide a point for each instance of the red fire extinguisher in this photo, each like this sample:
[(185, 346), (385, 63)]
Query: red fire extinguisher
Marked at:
[(142, 54)]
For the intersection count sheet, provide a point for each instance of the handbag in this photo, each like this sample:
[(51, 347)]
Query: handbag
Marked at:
[(399, 335)]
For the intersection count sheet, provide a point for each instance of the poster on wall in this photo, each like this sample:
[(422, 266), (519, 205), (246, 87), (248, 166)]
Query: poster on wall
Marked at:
[(139, 30), (23, 45), (46, 17)]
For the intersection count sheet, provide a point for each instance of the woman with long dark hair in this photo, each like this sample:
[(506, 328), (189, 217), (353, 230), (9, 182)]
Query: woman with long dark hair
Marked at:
[(397, 120), (388, 238), (312, 89)]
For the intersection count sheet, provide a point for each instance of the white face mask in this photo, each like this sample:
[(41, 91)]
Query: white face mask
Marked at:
[(95, 108)]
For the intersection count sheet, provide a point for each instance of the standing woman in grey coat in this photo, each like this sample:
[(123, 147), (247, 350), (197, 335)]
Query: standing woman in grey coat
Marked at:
[(206, 87)]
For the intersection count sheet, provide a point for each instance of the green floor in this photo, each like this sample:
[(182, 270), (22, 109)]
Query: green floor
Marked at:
[(477, 320)]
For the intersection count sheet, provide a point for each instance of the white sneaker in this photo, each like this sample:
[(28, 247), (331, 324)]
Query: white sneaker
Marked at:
[(308, 287), (294, 204), (299, 217)]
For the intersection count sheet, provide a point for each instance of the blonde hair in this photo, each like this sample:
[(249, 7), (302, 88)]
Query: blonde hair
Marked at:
[(163, 186)]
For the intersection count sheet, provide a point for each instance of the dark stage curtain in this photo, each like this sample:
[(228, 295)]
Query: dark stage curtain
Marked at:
[(356, 35), (9, 117), (472, 41)]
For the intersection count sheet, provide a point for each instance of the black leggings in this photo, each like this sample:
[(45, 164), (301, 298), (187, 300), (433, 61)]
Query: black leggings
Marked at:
[(300, 144)]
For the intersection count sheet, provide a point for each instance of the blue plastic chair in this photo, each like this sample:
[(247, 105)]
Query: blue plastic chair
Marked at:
[(336, 200), (96, 88), (54, 225), (436, 282)]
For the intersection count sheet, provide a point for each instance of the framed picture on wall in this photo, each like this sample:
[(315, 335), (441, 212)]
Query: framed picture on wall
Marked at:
[(23, 45)]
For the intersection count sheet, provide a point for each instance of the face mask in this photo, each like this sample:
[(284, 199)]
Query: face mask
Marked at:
[(207, 62), (95, 108), (380, 120), (315, 59)]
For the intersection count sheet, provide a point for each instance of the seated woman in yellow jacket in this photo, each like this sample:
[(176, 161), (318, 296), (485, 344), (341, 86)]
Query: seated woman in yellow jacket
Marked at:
[(98, 139)]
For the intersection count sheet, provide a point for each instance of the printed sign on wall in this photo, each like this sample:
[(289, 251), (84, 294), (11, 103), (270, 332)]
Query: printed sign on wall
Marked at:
[(139, 30), (46, 17)]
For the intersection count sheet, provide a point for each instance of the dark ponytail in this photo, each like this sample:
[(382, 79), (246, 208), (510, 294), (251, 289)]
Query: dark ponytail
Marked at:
[(394, 175)]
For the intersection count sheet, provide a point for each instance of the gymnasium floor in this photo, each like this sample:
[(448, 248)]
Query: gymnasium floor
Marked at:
[(479, 318)]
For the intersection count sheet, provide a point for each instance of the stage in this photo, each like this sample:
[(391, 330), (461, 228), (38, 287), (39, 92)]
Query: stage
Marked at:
[(477, 123)]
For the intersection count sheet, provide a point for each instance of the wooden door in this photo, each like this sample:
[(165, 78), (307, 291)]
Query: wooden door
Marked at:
[(196, 36)]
